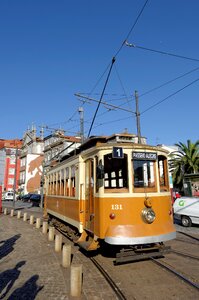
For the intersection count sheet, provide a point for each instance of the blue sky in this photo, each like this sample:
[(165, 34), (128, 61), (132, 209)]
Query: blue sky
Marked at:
[(51, 50)]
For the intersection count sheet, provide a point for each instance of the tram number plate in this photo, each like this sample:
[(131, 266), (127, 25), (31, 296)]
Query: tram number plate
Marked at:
[(117, 152), (116, 207)]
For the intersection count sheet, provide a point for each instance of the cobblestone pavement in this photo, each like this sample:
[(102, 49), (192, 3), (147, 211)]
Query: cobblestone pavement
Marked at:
[(31, 269)]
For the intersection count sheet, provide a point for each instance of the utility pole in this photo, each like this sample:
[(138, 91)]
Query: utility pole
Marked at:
[(137, 117), (81, 111), (42, 186), (15, 177)]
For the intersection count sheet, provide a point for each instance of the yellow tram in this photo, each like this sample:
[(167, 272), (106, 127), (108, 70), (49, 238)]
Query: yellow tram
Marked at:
[(114, 190)]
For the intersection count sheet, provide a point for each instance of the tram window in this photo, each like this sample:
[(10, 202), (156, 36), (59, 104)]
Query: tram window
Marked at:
[(58, 183), (62, 183), (67, 182), (163, 173), (144, 174), (53, 184), (72, 182), (115, 173)]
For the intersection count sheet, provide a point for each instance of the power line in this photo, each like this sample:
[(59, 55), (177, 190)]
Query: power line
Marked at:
[(160, 52), (106, 82), (119, 78), (113, 121), (168, 82), (171, 95), (132, 27)]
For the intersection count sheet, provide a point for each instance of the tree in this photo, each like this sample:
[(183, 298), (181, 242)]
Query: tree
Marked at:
[(184, 161)]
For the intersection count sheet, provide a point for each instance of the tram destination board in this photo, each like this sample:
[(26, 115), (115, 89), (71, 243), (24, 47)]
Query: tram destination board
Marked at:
[(144, 155)]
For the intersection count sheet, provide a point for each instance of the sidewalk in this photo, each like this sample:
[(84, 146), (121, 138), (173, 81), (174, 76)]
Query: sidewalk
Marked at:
[(31, 269)]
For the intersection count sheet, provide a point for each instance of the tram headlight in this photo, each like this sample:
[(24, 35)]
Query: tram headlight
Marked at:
[(148, 215)]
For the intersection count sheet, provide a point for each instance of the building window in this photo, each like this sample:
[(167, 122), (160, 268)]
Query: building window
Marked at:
[(11, 171), (10, 181), (12, 161)]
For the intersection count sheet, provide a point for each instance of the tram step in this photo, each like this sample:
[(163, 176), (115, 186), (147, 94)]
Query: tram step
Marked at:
[(89, 245)]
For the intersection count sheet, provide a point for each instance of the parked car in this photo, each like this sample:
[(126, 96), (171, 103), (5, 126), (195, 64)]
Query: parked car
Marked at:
[(187, 210), (8, 196), (26, 197), (35, 199)]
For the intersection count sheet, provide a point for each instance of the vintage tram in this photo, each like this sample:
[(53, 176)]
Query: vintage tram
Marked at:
[(115, 191)]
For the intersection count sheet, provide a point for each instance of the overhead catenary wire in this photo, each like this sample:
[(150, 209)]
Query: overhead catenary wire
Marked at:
[(132, 27), (160, 52), (113, 60), (168, 82), (106, 82), (154, 105), (171, 95)]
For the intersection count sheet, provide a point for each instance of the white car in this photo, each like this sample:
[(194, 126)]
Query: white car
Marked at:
[(187, 209), (8, 196)]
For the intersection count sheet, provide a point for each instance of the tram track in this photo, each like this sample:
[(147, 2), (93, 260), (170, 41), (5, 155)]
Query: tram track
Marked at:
[(188, 235), (113, 285), (176, 273), (184, 254), (120, 295), (113, 275)]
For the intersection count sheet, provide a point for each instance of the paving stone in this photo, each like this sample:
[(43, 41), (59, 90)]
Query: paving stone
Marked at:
[(31, 269)]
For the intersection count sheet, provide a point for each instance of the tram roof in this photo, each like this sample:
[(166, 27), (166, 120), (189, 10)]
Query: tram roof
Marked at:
[(94, 140)]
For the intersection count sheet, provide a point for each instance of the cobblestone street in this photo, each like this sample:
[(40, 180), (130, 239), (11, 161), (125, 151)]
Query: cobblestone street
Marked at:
[(31, 269)]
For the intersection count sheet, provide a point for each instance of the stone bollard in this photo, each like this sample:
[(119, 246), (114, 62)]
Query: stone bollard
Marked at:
[(19, 214), (66, 256), (12, 213), (38, 223), (25, 216), (31, 220), (76, 280), (5, 211), (58, 242), (51, 233), (45, 227)]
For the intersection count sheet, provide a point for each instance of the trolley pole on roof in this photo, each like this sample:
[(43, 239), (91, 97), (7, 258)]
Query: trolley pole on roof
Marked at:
[(137, 118)]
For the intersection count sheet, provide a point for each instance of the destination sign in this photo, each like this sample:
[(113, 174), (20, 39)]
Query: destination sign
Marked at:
[(144, 155)]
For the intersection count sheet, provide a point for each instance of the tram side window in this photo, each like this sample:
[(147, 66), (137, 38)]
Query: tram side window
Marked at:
[(144, 174), (53, 184), (62, 183), (67, 182), (115, 173), (58, 183), (72, 182), (163, 173)]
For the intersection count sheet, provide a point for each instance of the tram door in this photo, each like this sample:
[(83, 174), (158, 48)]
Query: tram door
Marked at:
[(89, 197)]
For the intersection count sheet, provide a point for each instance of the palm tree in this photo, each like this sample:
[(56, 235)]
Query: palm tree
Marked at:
[(184, 161)]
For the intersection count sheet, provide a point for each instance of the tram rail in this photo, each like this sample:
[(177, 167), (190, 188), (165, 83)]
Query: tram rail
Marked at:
[(176, 273), (188, 235), (185, 254)]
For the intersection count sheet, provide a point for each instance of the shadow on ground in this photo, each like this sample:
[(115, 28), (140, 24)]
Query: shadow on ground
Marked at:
[(7, 246)]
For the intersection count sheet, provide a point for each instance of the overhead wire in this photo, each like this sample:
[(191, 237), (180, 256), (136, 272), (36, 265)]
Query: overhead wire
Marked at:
[(132, 27), (161, 52), (171, 95), (113, 61), (118, 51), (168, 82), (106, 82), (154, 105)]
